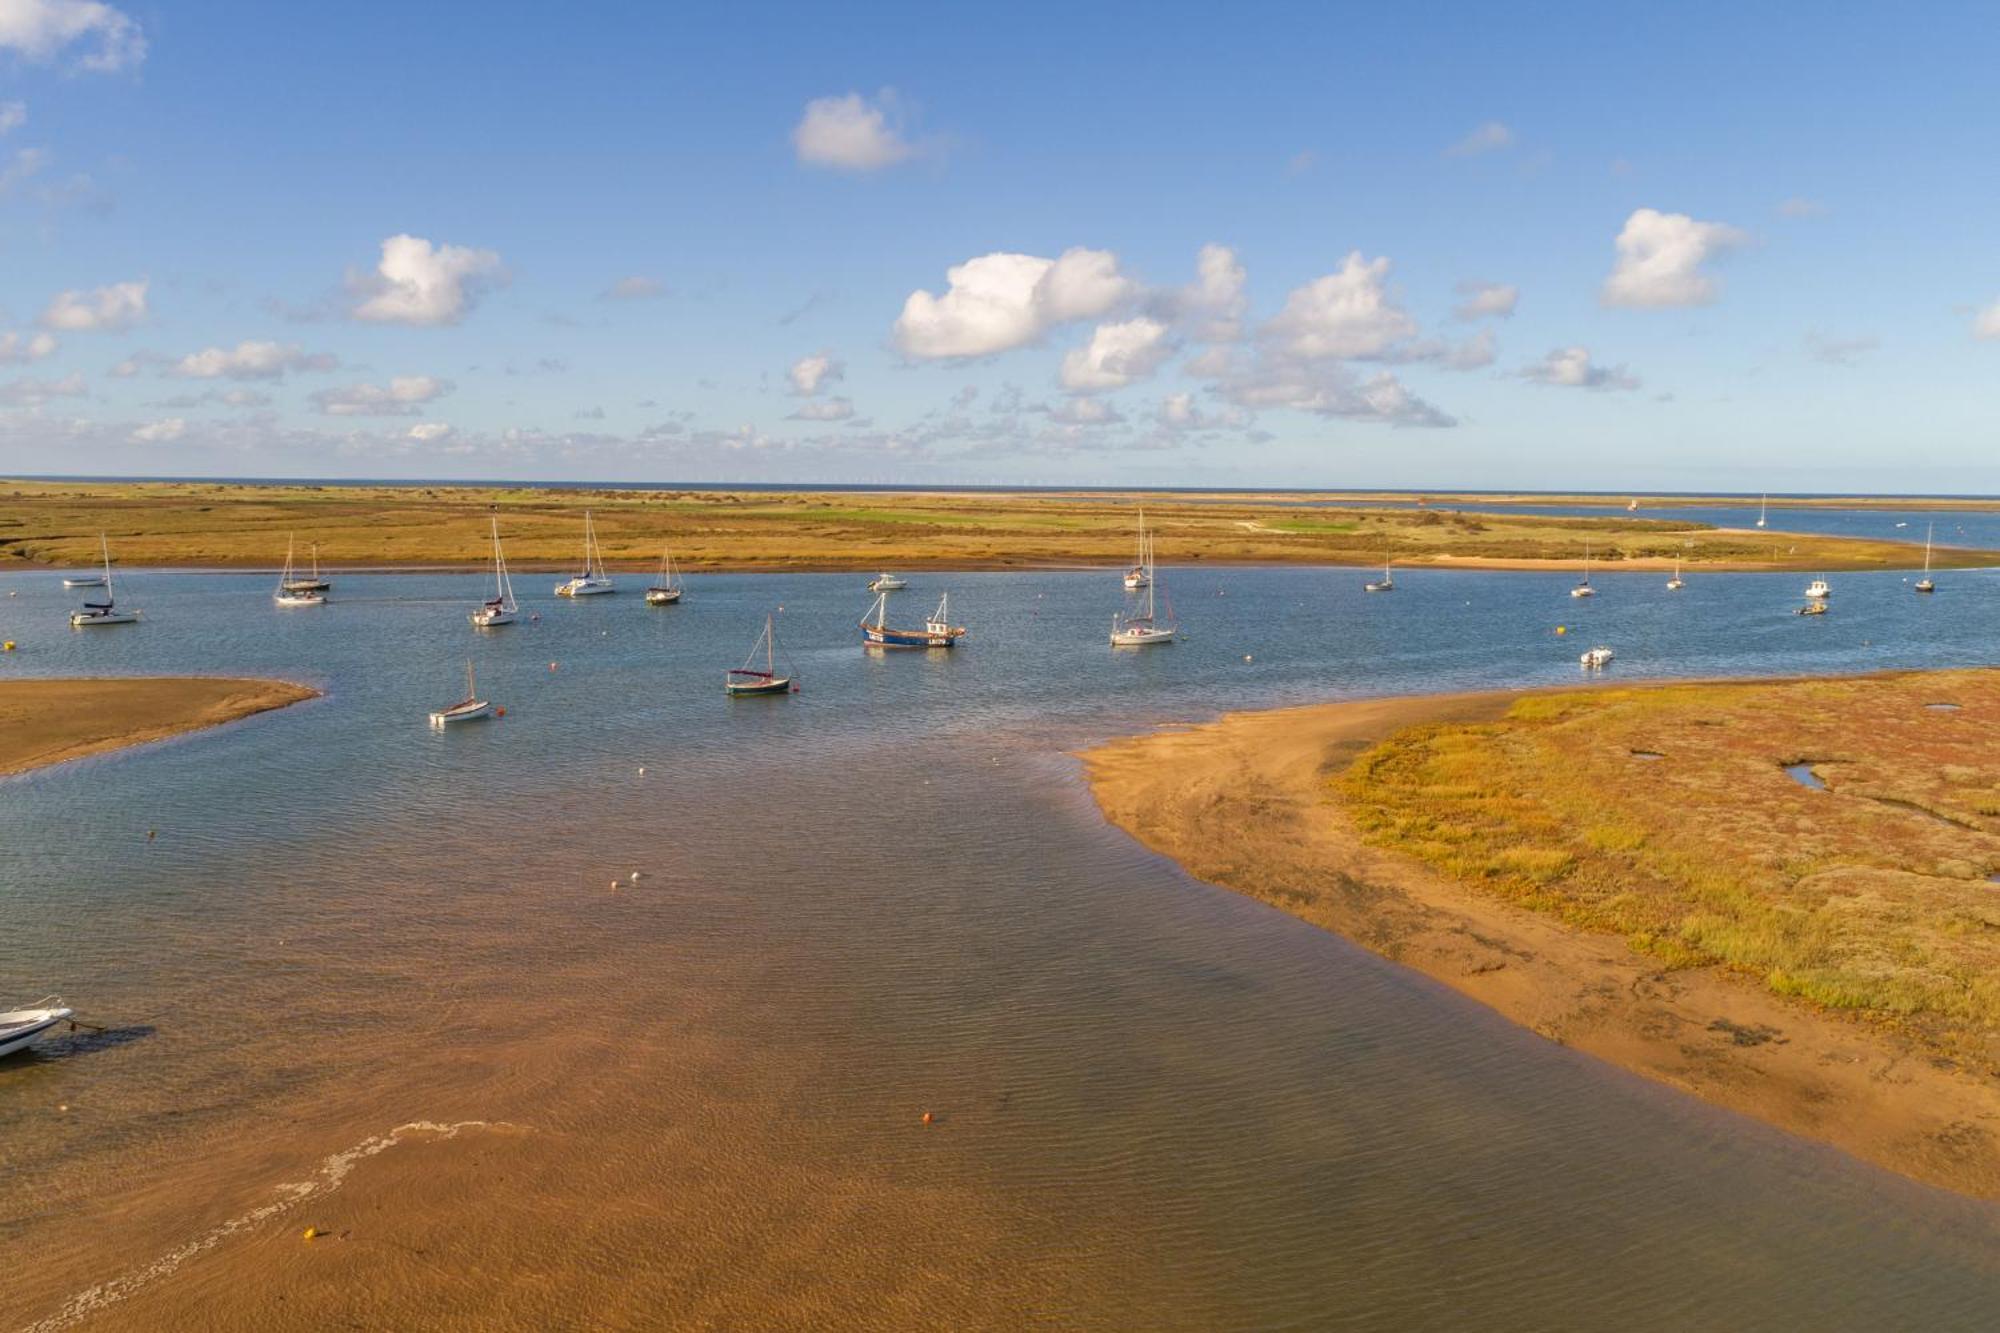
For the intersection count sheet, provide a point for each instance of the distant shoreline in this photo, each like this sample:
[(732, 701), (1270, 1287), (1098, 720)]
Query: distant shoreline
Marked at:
[(52, 720)]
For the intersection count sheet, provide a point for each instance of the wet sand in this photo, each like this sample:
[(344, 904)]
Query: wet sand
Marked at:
[(1244, 803), (52, 721)]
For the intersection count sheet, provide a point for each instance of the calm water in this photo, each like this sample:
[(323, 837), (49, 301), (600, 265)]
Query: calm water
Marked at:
[(1160, 1104)]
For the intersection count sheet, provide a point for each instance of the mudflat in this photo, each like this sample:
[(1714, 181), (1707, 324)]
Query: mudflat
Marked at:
[(1634, 872), (50, 721)]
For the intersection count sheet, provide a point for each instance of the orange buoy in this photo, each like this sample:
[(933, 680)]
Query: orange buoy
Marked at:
[(928, 1118), (499, 712), (552, 666)]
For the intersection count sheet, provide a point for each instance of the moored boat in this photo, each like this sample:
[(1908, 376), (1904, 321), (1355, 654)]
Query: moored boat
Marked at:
[(471, 708), (1583, 588), (1141, 574), (1145, 630), (748, 679), (311, 583), (1676, 583), (1387, 583), (296, 592), (105, 612), (22, 1028), (498, 609), (1818, 590), (938, 631), (1596, 659), (667, 590), (887, 583), (593, 581), (1926, 583)]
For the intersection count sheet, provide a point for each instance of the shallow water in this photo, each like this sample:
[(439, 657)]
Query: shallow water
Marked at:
[(1157, 1103)]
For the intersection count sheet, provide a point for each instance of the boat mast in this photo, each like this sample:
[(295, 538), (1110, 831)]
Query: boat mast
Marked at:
[(770, 648), (104, 543), (1928, 529)]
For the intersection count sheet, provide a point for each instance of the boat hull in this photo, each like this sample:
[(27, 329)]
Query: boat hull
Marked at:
[(83, 583), (877, 636), (91, 620), (662, 596), (33, 1025), (584, 588), (476, 711), (491, 619), (308, 585), (299, 599), (1140, 638), (744, 688)]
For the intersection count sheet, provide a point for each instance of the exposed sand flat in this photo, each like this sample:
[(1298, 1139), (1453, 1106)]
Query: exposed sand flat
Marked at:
[(1247, 803), (50, 721)]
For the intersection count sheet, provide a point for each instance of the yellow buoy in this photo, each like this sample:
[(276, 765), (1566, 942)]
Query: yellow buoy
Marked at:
[(1562, 629), (310, 1232)]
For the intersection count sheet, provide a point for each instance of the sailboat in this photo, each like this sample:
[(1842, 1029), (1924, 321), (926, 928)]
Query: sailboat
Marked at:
[(498, 609), (1141, 574), (593, 580), (1143, 631), (471, 708), (290, 595), (1763, 503), (938, 631), (1387, 583), (105, 612), (747, 679), (668, 590), (1676, 583), (1926, 583), (313, 584), (1583, 588)]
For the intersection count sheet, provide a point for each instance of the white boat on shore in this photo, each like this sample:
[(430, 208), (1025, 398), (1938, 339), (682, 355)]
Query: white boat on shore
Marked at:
[(498, 609), (593, 581), (22, 1028)]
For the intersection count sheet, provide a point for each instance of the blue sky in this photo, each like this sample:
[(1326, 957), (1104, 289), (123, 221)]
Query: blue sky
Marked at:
[(1718, 249)]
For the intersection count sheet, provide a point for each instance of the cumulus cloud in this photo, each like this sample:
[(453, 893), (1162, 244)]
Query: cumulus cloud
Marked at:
[(1328, 389), (634, 287), (1213, 305), (403, 396), (852, 133), (416, 282), (13, 115), (1986, 326), (162, 431), (250, 361), (430, 432), (1001, 301), (14, 349), (1572, 368), (31, 392), (110, 309), (1116, 355), (1660, 257), (1486, 300), (1085, 412), (827, 409), (1490, 137), (1475, 353), (105, 38), (1839, 351), (1343, 314), (810, 373)]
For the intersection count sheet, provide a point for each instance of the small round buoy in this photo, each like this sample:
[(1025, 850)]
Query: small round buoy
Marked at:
[(1246, 657), (1562, 629), (929, 1118), (635, 877), (63, 1106), (10, 645), (552, 666), (499, 712), (614, 886), (642, 770)]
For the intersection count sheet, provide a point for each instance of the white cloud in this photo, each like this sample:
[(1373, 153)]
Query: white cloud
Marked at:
[(162, 431), (1486, 300), (1344, 314), (1213, 304), (1987, 325), (31, 392), (403, 396), (429, 432), (1490, 137), (1474, 353), (13, 115), (827, 409), (1571, 368), (40, 30), (1085, 412), (1328, 389), (418, 283), (108, 309), (851, 133), (1839, 351), (250, 361), (634, 287), (14, 349), (1660, 257), (809, 373), (1001, 301), (1116, 355)]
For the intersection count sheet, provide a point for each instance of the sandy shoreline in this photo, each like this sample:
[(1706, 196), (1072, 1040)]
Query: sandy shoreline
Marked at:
[(1243, 803), (51, 721)]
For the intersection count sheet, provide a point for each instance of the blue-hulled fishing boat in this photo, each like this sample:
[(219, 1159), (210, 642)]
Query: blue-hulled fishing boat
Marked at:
[(938, 631)]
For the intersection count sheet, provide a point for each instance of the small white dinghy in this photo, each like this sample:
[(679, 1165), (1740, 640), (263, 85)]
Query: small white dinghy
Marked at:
[(471, 708), (1596, 659), (22, 1028), (887, 583)]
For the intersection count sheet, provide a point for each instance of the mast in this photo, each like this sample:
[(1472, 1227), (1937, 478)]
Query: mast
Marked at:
[(285, 578), (104, 542), (471, 690), (1928, 528), (770, 648), (315, 547)]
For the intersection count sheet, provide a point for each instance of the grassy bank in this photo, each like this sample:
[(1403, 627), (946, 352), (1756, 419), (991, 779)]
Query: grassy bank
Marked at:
[(1666, 815), (237, 525)]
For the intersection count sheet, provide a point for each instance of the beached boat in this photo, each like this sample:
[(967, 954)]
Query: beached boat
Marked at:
[(1145, 630), (105, 612), (938, 631), (748, 679), (290, 591), (1141, 574), (1583, 588), (471, 708), (887, 583), (1676, 583), (22, 1028), (1387, 583), (1818, 590), (593, 581), (1926, 583), (1596, 659), (1763, 503), (308, 583), (498, 609), (667, 590)]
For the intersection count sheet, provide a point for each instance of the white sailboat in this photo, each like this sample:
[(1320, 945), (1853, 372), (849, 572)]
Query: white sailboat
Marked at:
[(1141, 574), (471, 708), (498, 609), (1676, 583), (1387, 583), (1143, 631), (289, 592), (667, 590), (1926, 583), (1763, 502), (1583, 588), (105, 612), (749, 678), (312, 584), (593, 580)]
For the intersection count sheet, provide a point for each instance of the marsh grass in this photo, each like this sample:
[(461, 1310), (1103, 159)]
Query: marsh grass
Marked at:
[(1869, 897)]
